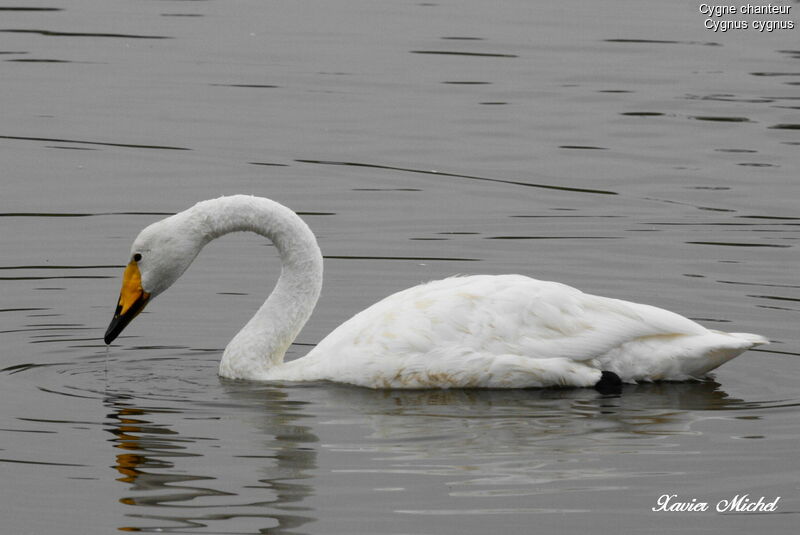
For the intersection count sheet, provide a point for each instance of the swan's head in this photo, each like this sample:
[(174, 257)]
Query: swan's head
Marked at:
[(159, 256)]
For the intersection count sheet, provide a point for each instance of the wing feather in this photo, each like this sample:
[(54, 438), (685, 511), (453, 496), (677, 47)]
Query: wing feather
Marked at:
[(508, 314)]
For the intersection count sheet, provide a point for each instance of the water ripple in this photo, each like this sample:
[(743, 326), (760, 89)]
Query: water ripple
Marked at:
[(416, 258), (456, 53), (737, 244), (455, 175), (102, 143), (720, 119), (662, 42), (84, 34), (38, 9)]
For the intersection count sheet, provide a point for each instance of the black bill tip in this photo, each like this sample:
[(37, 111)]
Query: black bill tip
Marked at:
[(120, 321)]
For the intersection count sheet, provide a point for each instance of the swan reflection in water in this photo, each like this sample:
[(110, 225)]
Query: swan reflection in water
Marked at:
[(181, 480), (250, 457)]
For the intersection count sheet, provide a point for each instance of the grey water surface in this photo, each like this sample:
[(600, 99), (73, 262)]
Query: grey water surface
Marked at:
[(618, 146)]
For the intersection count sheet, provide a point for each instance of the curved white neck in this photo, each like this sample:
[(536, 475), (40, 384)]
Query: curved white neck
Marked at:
[(263, 341)]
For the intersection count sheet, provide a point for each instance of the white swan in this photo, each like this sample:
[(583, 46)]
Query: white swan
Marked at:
[(504, 331)]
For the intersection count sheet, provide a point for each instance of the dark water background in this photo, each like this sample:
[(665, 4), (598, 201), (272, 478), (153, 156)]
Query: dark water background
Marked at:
[(617, 146)]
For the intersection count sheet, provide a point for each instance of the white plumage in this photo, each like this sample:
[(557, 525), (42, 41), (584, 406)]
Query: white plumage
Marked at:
[(504, 331)]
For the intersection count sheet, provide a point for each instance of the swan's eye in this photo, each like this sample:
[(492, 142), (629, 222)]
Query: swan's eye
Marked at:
[(137, 257)]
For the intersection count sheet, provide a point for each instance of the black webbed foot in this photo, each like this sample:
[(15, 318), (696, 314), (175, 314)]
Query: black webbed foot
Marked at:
[(609, 383)]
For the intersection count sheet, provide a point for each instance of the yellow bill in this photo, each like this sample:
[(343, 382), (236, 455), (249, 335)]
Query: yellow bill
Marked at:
[(132, 300)]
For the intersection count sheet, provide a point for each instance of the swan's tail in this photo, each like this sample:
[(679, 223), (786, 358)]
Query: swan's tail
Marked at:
[(752, 339), (716, 349), (677, 357)]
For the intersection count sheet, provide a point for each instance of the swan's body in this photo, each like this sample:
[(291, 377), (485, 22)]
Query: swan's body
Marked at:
[(504, 331)]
